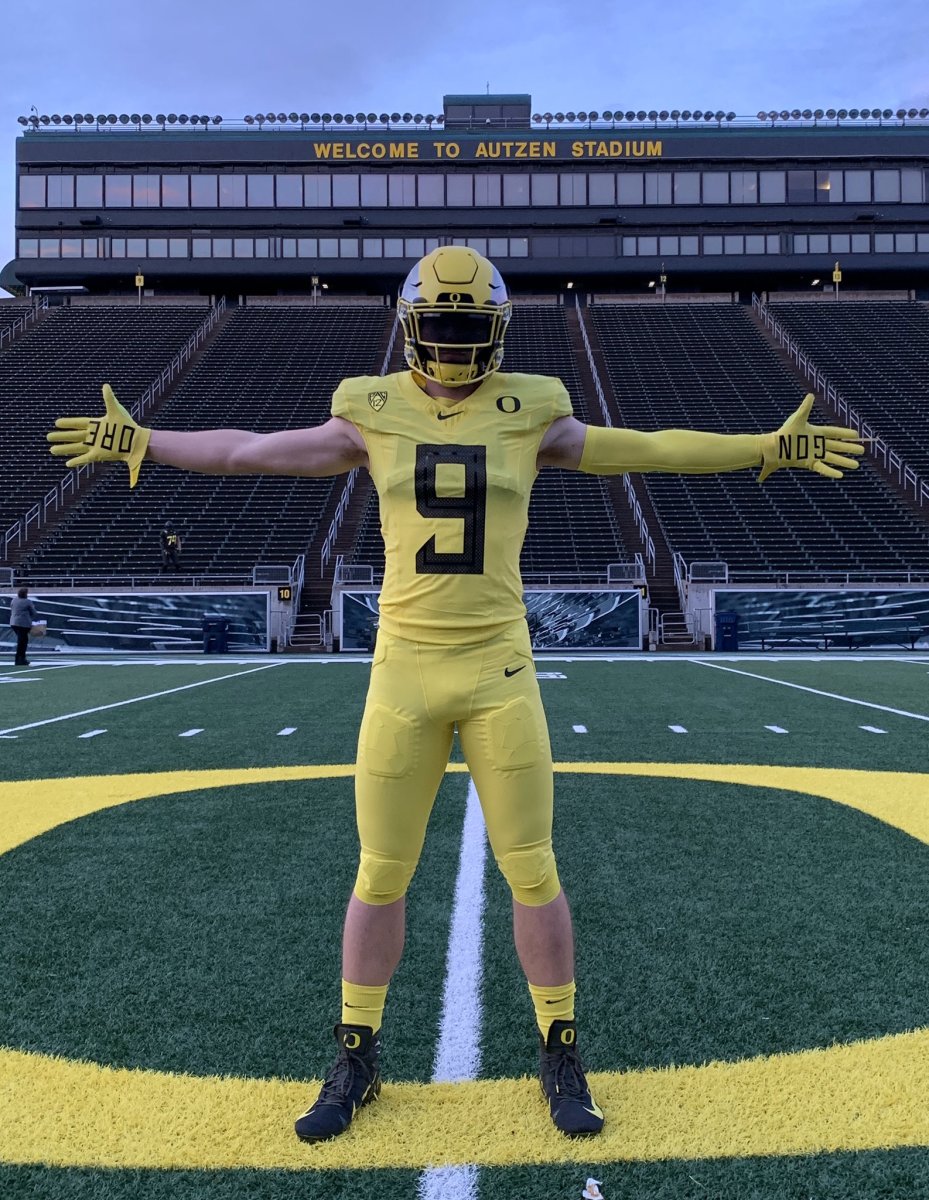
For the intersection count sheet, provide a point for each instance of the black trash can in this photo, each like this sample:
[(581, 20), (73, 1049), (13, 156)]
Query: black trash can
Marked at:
[(727, 631), (215, 635)]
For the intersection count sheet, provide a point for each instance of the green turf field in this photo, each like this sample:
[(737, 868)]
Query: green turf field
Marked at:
[(744, 844)]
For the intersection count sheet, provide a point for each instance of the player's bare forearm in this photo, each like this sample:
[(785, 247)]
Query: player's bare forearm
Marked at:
[(328, 449)]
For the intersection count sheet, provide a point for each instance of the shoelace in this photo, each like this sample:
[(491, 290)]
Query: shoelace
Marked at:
[(341, 1079), (569, 1075)]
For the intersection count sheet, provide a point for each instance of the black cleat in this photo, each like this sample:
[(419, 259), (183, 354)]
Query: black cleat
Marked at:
[(352, 1082), (564, 1084)]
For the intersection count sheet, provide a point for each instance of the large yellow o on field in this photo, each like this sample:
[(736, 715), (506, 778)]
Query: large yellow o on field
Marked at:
[(857, 1096)]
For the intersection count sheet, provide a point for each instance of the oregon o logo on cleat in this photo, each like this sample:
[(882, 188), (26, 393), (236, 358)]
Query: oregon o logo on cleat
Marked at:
[(568, 1037), (351, 1041)]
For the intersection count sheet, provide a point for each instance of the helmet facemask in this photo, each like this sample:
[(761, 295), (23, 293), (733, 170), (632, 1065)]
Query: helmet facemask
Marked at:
[(454, 311)]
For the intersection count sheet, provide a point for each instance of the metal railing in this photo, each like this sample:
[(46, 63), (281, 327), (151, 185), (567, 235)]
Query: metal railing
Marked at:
[(631, 497), (892, 462), (335, 524), (38, 515), (10, 331)]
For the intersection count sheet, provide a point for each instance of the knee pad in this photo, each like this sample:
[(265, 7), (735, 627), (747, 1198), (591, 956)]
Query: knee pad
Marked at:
[(531, 874), (382, 880)]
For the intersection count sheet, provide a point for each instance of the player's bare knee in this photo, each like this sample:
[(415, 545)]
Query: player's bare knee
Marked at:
[(531, 874), (382, 880)]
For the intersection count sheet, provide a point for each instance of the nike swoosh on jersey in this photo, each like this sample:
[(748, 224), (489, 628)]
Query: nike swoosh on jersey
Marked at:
[(516, 670), (445, 416)]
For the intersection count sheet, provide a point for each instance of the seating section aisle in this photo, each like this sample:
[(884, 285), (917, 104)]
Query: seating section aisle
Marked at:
[(267, 368), (877, 355), (572, 523), (709, 367), (57, 368), (10, 313)]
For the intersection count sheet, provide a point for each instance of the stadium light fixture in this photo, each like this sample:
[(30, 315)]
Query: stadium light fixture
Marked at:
[(146, 118), (349, 119), (686, 114), (407, 117), (124, 118), (815, 282), (56, 119), (651, 283), (327, 118), (68, 119), (112, 118), (570, 116), (806, 114), (78, 118), (924, 112), (23, 120), (282, 118), (217, 120), (315, 118)]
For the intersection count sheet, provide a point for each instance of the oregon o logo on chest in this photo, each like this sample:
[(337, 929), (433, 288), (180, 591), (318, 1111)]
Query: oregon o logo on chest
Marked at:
[(509, 404)]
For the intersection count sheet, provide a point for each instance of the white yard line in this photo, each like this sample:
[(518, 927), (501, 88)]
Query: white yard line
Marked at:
[(91, 733), (86, 712), (899, 712), (287, 731), (871, 729), (776, 728), (457, 1055), (190, 732), (677, 728), (579, 728)]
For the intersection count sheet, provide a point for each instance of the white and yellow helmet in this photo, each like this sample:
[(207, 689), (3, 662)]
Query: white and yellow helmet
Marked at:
[(454, 310)]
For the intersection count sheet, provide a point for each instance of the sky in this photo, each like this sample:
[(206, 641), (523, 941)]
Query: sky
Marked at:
[(231, 58)]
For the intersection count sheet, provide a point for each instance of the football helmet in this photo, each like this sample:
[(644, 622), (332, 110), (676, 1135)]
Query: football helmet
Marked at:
[(454, 310)]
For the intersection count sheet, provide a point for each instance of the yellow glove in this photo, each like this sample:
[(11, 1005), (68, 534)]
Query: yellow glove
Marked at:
[(820, 448), (114, 437)]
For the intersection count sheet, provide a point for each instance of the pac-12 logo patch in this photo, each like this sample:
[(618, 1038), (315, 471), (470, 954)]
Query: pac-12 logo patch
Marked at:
[(377, 400)]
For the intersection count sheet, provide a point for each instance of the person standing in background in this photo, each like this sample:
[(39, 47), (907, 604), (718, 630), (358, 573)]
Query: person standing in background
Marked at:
[(22, 615), (170, 547)]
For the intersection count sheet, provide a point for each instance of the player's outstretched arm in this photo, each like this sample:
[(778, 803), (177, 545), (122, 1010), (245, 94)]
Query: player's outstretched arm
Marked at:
[(826, 449), (328, 449)]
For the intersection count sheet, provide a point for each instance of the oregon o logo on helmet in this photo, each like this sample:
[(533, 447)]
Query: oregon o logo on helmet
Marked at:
[(512, 404)]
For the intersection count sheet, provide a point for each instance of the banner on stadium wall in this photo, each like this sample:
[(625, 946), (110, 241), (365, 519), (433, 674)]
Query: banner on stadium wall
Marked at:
[(558, 619), (852, 619), (149, 621)]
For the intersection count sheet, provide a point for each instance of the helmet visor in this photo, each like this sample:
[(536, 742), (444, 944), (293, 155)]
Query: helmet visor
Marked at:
[(450, 329)]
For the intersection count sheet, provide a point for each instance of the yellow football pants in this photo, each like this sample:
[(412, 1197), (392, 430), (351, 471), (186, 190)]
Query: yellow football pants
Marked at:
[(417, 695)]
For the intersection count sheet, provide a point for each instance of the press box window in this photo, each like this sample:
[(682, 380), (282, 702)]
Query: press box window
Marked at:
[(289, 191), (487, 191), (459, 190), (32, 191), (545, 190), (89, 190), (61, 191), (175, 191), (118, 191), (203, 191), (146, 191), (232, 191), (373, 191)]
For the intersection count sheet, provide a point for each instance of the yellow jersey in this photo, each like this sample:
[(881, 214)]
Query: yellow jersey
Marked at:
[(454, 481)]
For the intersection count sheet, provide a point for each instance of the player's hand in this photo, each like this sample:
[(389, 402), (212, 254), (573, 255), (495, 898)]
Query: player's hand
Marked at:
[(824, 449), (114, 437)]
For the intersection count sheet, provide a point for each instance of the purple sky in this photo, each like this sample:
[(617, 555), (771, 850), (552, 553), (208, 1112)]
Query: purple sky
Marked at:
[(231, 58)]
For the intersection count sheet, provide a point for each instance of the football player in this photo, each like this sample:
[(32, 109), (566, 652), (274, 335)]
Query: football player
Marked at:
[(453, 445)]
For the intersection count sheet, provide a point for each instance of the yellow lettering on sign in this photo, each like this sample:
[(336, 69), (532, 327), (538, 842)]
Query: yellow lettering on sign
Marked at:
[(322, 149), (654, 149)]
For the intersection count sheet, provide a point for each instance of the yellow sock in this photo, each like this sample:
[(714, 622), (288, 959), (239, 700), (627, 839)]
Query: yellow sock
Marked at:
[(363, 1005), (552, 1004)]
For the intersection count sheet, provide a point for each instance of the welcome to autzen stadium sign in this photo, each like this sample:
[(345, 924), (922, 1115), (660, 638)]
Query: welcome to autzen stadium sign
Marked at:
[(485, 149)]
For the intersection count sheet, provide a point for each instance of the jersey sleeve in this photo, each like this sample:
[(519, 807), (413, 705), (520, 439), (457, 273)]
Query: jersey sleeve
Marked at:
[(342, 397), (561, 401)]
